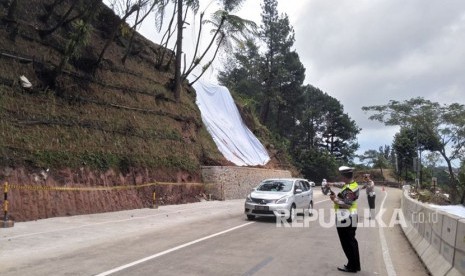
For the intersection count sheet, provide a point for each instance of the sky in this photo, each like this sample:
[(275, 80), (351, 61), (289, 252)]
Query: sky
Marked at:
[(368, 52)]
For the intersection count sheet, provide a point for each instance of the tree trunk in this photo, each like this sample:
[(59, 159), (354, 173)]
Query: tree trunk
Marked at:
[(197, 62), (264, 110), (197, 42), (50, 8), (177, 72), (128, 49), (134, 28), (113, 33), (420, 171), (12, 9), (453, 181), (164, 43), (62, 22), (279, 111), (209, 63)]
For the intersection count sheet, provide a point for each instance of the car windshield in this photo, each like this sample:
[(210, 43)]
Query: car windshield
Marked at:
[(275, 186)]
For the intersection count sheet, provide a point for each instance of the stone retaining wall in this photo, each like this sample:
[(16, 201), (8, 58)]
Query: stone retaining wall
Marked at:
[(235, 182)]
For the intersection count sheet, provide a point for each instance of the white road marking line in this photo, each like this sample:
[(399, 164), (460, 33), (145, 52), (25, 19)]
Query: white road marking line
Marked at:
[(170, 250), (321, 201), (384, 247)]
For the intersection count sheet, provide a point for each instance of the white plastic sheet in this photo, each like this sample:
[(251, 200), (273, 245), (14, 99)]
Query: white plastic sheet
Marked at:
[(224, 123), (458, 210)]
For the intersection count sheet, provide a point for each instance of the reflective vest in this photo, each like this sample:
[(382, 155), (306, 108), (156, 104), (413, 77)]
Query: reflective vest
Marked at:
[(348, 195)]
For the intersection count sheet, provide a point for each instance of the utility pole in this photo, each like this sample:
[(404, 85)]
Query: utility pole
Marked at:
[(417, 162), (419, 168)]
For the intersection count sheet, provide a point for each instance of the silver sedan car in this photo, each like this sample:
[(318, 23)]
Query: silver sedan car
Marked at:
[(280, 196)]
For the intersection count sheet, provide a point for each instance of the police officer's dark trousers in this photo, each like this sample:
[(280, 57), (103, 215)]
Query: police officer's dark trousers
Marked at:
[(371, 201), (346, 232)]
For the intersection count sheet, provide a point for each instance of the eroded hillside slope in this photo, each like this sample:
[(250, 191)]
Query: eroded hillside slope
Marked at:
[(86, 124)]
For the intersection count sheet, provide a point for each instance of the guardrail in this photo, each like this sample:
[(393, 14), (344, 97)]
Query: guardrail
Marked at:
[(437, 237)]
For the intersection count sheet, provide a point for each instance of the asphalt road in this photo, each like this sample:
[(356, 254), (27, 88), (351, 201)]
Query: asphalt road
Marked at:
[(205, 238)]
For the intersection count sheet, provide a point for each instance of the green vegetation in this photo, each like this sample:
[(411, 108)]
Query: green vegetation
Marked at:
[(304, 121), (104, 97), (427, 127), (41, 132), (115, 116)]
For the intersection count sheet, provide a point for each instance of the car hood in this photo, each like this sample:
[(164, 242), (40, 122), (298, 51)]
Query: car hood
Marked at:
[(268, 195)]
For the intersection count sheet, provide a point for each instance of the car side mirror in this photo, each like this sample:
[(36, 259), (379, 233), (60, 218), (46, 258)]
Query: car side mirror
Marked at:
[(312, 184), (298, 191)]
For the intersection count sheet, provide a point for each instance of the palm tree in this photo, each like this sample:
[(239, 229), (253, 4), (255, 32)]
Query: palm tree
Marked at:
[(63, 20), (146, 7), (12, 10), (228, 30), (226, 26), (78, 38), (177, 71), (190, 4), (128, 12)]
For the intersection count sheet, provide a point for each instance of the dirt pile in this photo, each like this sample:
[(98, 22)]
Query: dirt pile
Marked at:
[(428, 196)]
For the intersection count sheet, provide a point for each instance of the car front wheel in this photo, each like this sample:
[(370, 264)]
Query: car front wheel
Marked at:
[(250, 217), (292, 214)]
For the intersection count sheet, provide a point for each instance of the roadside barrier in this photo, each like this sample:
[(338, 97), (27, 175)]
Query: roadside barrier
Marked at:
[(437, 237)]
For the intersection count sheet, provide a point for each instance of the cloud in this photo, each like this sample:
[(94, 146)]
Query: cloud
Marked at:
[(370, 52), (371, 139)]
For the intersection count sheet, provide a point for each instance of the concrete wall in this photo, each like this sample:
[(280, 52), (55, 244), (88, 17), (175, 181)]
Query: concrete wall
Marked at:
[(438, 237), (235, 182)]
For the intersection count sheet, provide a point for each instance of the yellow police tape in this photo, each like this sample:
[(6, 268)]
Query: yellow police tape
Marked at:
[(102, 188)]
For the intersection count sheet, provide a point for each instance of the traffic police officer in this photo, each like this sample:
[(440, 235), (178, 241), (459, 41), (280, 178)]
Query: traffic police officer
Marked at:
[(345, 205)]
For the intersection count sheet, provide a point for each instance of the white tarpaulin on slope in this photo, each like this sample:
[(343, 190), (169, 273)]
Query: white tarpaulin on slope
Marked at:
[(224, 123)]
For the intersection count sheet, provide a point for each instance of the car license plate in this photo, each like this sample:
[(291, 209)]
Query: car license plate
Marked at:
[(263, 208)]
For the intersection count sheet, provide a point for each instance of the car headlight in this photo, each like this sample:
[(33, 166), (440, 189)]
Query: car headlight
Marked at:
[(282, 200), (248, 199)]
